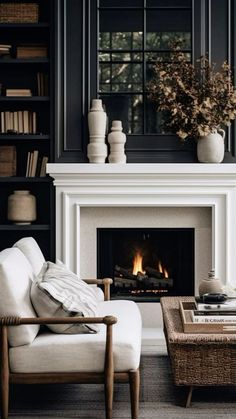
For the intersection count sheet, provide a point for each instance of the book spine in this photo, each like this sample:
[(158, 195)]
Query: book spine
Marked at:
[(214, 319)]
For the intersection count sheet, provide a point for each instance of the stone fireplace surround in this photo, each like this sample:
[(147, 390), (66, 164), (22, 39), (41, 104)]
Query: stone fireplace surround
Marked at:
[(88, 191)]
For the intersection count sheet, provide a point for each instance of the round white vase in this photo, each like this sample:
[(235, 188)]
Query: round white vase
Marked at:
[(211, 148), (97, 121), (21, 207), (117, 140)]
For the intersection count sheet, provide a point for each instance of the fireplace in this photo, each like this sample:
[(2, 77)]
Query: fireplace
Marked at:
[(147, 263)]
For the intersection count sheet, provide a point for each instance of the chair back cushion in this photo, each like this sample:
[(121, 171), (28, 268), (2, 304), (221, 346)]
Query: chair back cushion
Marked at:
[(32, 252), (15, 282), (58, 292)]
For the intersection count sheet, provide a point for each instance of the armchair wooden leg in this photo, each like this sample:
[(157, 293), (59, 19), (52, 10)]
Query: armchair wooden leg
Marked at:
[(4, 374), (109, 374), (134, 382)]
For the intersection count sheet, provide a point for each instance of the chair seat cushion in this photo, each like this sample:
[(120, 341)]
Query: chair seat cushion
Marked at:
[(51, 352)]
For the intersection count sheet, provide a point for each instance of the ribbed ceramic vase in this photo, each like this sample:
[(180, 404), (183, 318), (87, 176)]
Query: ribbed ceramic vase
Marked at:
[(211, 148), (21, 207), (210, 285), (117, 140), (97, 122)]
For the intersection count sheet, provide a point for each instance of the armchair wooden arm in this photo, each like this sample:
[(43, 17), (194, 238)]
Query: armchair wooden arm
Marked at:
[(7, 377), (106, 282)]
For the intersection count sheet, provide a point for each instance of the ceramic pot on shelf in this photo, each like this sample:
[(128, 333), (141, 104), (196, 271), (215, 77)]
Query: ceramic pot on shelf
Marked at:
[(21, 207), (117, 140), (210, 285), (97, 122), (211, 147)]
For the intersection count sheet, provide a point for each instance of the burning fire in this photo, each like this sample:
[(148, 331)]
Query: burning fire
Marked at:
[(138, 264), (163, 270)]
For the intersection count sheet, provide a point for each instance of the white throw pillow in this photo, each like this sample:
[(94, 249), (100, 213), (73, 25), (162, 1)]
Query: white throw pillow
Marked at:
[(32, 252), (58, 292)]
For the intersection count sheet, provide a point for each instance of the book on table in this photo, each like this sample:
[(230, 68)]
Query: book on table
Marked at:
[(220, 316)]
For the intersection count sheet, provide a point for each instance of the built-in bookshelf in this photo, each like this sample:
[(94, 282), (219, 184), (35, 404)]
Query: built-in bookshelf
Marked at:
[(26, 119)]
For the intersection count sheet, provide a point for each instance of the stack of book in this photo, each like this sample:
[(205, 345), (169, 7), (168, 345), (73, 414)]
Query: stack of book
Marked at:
[(215, 313), (18, 92), (18, 122), (5, 50), (36, 165), (31, 51)]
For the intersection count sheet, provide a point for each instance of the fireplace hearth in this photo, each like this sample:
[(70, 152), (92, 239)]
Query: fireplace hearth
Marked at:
[(147, 263)]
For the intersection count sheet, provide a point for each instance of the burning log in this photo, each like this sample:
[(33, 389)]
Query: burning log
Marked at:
[(122, 282), (124, 272), (153, 272), (161, 282)]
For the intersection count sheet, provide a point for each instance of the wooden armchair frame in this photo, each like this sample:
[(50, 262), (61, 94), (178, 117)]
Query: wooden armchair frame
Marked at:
[(107, 377)]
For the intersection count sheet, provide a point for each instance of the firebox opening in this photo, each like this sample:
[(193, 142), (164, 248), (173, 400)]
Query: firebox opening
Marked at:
[(146, 263)]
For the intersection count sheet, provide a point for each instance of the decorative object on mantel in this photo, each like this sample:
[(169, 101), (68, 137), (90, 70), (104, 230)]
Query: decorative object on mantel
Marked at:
[(210, 285), (211, 147), (117, 140), (196, 101), (21, 207), (97, 122)]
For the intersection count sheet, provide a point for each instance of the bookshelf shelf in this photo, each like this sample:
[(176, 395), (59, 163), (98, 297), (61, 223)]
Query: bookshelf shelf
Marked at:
[(24, 137), (28, 114), (32, 227), (24, 99), (15, 61), (23, 179)]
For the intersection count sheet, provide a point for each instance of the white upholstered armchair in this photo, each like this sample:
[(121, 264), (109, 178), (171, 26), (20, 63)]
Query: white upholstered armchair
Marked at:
[(33, 355)]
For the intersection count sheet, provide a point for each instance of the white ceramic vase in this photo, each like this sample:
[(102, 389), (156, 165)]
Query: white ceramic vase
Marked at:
[(117, 140), (97, 121), (211, 148), (21, 207)]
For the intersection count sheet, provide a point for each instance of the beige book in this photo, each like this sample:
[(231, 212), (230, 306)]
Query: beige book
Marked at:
[(34, 121), (26, 122), (34, 162), (15, 122), (3, 129), (43, 166), (20, 122)]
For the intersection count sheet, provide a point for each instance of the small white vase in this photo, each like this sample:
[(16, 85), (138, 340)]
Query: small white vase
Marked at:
[(117, 140), (211, 148), (97, 121), (21, 207)]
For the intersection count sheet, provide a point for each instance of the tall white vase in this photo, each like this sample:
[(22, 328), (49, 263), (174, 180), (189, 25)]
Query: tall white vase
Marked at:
[(97, 120), (117, 140), (211, 148)]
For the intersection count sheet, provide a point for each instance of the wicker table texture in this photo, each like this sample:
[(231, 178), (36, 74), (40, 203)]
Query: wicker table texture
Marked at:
[(197, 359)]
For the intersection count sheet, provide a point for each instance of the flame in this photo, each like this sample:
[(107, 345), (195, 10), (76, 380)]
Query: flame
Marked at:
[(138, 264), (163, 270)]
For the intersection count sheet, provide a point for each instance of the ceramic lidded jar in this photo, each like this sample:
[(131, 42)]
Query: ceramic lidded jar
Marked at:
[(210, 285), (97, 123), (117, 140), (21, 207)]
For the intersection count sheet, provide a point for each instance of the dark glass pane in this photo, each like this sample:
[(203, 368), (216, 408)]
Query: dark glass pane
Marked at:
[(153, 118), (127, 56), (126, 40), (163, 56), (169, 3), (168, 21), (104, 40), (121, 21), (105, 74), (163, 40), (128, 109), (121, 3), (127, 73), (104, 57)]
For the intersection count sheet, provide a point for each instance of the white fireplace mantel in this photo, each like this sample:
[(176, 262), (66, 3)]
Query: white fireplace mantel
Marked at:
[(147, 185)]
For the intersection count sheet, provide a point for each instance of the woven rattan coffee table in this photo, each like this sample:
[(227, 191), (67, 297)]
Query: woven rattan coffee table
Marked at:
[(197, 359)]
